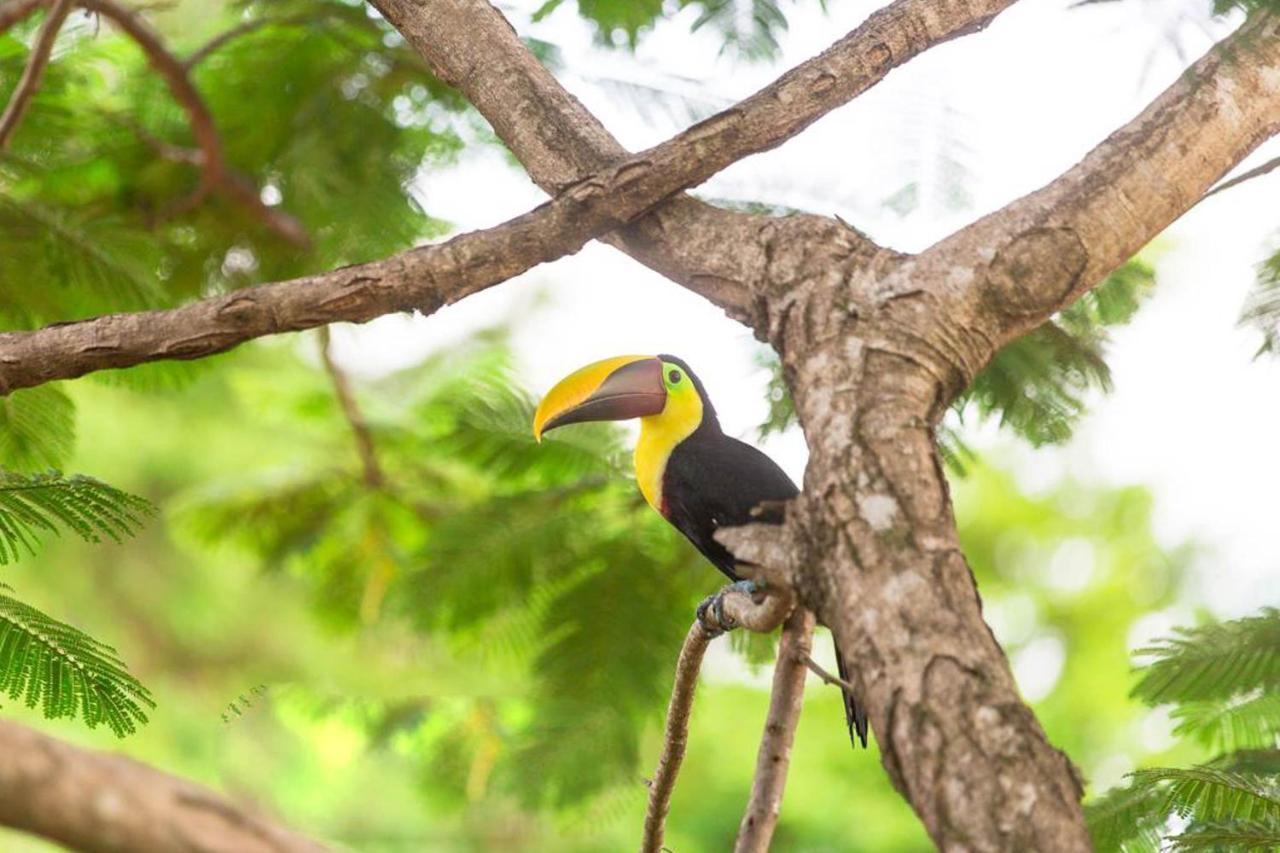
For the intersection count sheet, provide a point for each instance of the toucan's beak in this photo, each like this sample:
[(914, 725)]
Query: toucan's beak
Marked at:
[(629, 386)]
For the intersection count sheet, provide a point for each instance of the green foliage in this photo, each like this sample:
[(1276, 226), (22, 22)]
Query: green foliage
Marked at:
[(97, 215), (43, 661), (66, 672), (1224, 681), (540, 559), (1210, 794), (750, 33), (1126, 819), (33, 506), (37, 428), (1038, 385), (1262, 310), (1214, 661)]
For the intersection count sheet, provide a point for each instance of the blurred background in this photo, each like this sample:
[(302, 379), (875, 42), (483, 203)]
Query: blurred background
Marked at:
[(398, 623)]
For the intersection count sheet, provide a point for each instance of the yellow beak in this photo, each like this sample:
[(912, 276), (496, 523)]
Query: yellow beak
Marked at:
[(627, 386)]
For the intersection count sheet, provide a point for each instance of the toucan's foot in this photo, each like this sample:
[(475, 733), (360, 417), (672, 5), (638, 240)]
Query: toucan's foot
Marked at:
[(708, 617), (711, 613)]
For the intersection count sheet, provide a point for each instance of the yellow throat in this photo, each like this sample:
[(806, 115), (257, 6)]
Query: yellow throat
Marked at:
[(659, 435)]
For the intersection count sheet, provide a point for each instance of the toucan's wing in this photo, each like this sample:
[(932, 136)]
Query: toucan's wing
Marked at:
[(717, 481)]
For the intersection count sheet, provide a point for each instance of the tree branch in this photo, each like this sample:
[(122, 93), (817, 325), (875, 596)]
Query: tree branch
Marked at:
[(102, 803), (215, 173), (774, 759), (762, 613), (17, 10), (676, 736), (717, 253), (827, 678), (426, 278), (29, 83), (1011, 270)]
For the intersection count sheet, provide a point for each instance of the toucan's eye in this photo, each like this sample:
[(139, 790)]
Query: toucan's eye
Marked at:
[(674, 377)]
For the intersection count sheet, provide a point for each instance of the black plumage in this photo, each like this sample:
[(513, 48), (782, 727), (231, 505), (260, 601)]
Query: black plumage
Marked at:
[(713, 480)]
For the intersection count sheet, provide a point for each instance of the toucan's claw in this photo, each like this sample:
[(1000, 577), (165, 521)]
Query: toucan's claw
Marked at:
[(711, 613)]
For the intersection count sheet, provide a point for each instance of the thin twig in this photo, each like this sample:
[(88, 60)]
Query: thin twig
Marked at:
[(377, 544), (373, 476), (1266, 168), (17, 10), (31, 75), (828, 678), (676, 737), (215, 174), (774, 758)]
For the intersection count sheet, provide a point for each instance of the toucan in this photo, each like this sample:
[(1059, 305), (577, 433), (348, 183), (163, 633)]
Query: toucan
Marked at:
[(695, 476)]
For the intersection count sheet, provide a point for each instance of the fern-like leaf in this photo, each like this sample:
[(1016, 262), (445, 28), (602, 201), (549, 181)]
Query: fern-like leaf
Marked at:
[(1262, 310), (37, 428), (67, 673), (1251, 720), (1214, 661), (32, 506), (1210, 794), (1235, 836), (1127, 820)]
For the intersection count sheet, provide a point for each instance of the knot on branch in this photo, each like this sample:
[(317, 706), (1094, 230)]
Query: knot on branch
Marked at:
[(1036, 271), (765, 552)]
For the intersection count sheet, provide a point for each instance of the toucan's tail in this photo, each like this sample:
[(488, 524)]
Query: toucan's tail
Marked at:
[(854, 715)]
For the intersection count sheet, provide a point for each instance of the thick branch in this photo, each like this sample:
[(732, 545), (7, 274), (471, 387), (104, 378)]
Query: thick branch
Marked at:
[(426, 278), (774, 759), (102, 803), (717, 253), (1011, 270), (29, 83)]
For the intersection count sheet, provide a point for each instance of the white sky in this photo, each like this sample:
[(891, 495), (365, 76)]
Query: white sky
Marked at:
[(1193, 416)]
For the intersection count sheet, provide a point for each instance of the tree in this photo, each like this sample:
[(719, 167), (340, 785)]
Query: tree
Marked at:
[(874, 345)]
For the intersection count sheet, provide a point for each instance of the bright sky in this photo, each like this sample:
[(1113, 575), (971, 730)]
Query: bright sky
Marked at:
[(991, 117)]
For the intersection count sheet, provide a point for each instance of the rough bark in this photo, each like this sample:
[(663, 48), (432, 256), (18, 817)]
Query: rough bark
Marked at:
[(874, 356), (755, 833), (102, 803)]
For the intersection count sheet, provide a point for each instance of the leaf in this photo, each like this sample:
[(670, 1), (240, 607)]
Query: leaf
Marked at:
[(1240, 722), (32, 506), (1213, 662), (66, 672), (1126, 819), (1262, 308), (1210, 794), (37, 428), (1231, 836)]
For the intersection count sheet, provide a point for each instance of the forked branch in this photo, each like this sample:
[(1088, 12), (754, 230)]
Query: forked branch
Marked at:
[(29, 84), (759, 612)]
